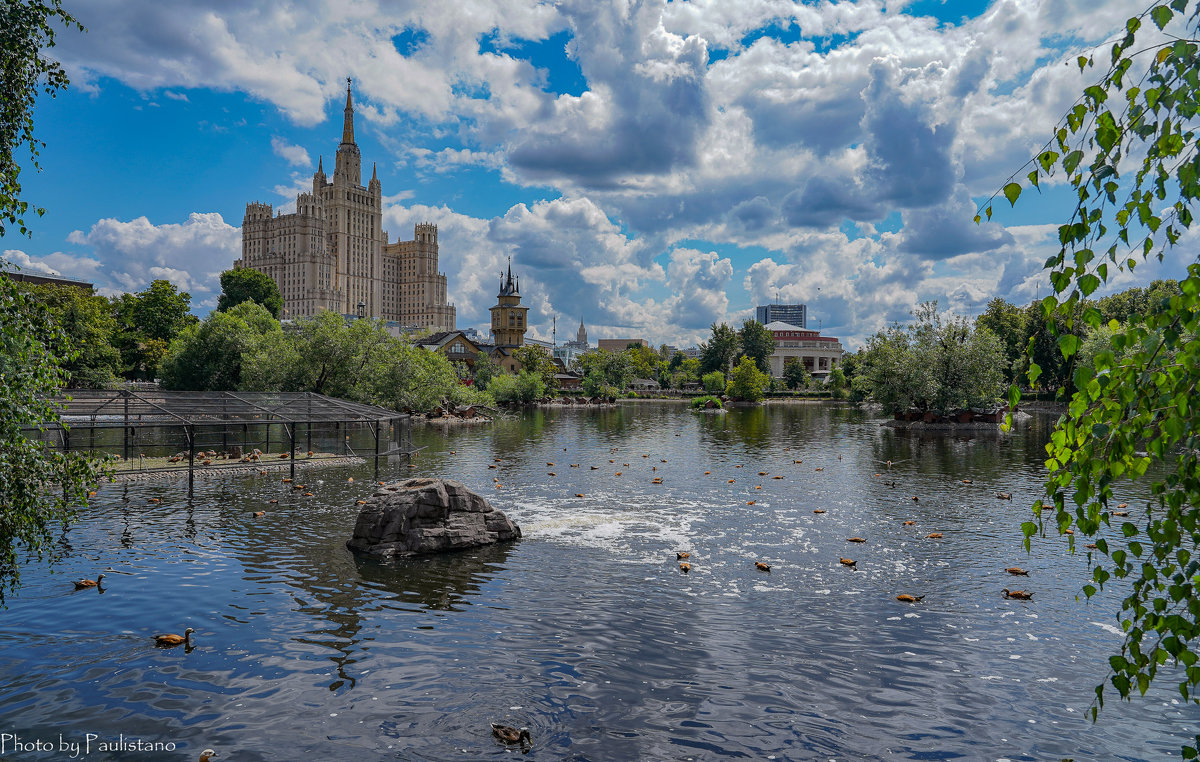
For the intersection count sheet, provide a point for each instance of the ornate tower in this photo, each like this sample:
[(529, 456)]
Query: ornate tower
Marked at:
[(508, 316), (581, 337)]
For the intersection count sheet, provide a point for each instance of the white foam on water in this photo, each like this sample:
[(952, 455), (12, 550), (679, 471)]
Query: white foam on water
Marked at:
[(1047, 680), (1109, 628), (990, 677), (1014, 656), (1031, 636), (893, 619)]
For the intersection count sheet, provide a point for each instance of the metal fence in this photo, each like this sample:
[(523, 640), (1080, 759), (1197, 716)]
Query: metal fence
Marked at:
[(146, 430)]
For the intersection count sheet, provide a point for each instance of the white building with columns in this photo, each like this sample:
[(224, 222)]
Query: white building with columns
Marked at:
[(819, 354)]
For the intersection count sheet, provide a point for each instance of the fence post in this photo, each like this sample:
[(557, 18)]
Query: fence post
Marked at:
[(190, 432), (125, 427), (291, 427), (377, 438)]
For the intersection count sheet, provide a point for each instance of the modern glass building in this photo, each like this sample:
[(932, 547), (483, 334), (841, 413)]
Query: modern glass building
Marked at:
[(793, 314)]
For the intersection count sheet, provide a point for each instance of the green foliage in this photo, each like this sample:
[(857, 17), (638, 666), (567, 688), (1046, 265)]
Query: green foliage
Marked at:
[(147, 322), (713, 382), (1011, 325), (1128, 149), (837, 384), (538, 361), (747, 382), (208, 356), (246, 285), (88, 323), (485, 370), (412, 378), (614, 370), (699, 402), (796, 375), (25, 31), (718, 353), (38, 486), (757, 343), (643, 361), (932, 365), (687, 371), (522, 387)]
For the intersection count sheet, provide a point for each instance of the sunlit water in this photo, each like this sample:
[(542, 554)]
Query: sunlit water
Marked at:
[(585, 631)]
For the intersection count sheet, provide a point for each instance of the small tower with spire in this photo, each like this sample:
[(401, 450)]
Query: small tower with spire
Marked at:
[(508, 316), (349, 162)]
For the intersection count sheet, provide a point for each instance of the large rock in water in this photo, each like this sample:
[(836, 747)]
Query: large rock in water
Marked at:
[(427, 516)]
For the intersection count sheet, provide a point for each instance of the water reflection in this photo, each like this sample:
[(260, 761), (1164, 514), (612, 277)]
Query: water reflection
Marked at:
[(585, 631)]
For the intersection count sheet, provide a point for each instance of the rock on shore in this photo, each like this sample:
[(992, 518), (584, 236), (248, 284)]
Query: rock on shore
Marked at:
[(417, 516)]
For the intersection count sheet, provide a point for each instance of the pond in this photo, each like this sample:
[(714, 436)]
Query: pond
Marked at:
[(586, 631)]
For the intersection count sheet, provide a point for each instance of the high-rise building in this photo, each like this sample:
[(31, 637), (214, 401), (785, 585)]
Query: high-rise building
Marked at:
[(333, 254), (794, 314)]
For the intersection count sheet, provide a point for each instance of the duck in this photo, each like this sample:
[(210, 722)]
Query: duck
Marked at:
[(1120, 513), (685, 567), (1017, 570), (1004, 495), (762, 473), (761, 566), (259, 514), (549, 464), (1122, 505), (1020, 595), (1091, 546), (751, 502), (207, 755), (818, 469), (551, 473), (909, 523), (595, 468), (933, 536), (848, 562), (86, 583), (966, 481), (731, 481), (706, 473), (916, 499), (169, 640), (855, 539), (510, 735), (909, 598), (578, 494), (818, 510), (682, 555)]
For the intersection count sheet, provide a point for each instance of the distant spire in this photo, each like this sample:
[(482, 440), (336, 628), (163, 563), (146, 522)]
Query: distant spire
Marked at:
[(374, 177), (348, 124), (321, 165)]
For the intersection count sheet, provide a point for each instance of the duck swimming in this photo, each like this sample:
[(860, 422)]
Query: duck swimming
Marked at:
[(909, 598), (83, 584), (511, 735), (1020, 595), (169, 640), (762, 566)]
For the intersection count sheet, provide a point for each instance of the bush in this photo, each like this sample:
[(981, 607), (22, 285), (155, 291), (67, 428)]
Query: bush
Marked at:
[(700, 402), (747, 382), (713, 382), (523, 387)]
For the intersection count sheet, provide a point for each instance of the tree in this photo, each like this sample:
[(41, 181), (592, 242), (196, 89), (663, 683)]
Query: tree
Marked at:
[(147, 322), (1008, 323), (25, 31), (39, 486), (614, 368), (522, 387), (837, 383), (209, 356), (757, 343), (934, 364), (720, 350), (485, 370), (643, 361), (538, 361), (747, 382), (795, 375), (1128, 149), (713, 382), (88, 323), (246, 285)]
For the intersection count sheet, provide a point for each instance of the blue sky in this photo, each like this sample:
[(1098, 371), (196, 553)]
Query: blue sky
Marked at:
[(650, 167)]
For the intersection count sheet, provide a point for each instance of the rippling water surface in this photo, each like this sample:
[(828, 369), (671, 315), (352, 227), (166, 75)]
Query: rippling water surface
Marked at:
[(585, 631)]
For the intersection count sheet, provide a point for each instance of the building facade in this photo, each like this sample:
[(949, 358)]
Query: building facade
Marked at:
[(332, 253), (620, 345), (819, 354), (508, 316), (792, 314)]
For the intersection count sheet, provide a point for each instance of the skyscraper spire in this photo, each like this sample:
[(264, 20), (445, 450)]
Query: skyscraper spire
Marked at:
[(348, 124)]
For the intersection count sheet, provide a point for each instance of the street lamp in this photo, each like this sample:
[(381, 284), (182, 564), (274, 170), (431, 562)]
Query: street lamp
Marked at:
[(362, 309)]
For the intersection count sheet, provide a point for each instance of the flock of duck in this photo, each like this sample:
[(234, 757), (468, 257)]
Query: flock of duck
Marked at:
[(511, 736), (684, 557)]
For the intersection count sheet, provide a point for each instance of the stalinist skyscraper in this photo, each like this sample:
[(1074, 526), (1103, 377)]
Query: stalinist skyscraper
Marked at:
[(333, 254)]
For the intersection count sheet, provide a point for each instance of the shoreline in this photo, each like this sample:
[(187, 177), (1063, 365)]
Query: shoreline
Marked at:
[(240, 468)]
